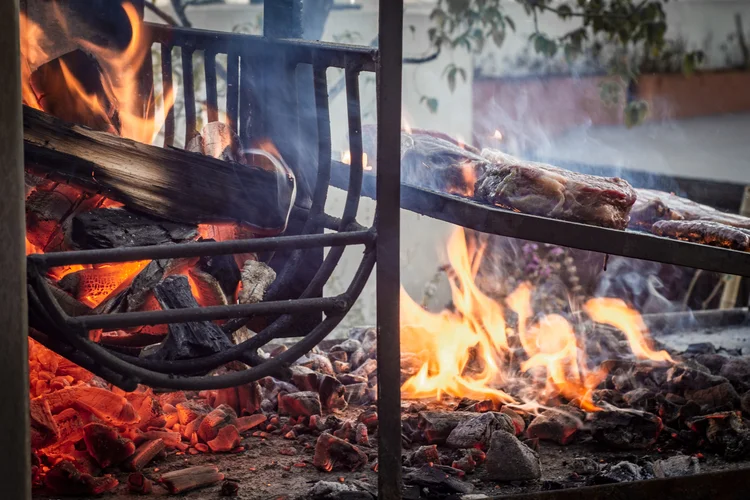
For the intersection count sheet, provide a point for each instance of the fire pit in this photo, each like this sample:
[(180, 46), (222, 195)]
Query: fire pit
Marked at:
[(162, 283)]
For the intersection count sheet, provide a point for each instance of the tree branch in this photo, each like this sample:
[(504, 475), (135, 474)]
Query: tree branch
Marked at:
[(160, 13), (179, 9)]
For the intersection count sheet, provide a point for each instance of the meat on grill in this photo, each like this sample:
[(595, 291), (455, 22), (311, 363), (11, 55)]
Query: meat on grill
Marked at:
[(541, 189), (706, 232), (652, 206), (430, 161)]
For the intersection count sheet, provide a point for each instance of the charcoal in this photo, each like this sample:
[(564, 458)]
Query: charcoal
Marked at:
[(641, 399), (701, 348), (631, 429), (518, 422), (713, 362), (304, 378), (119, 227), (555, 425), (679, 465), (65, 479), (361, 436), (369, 339), (350, 490), (229, 488), (338, 356), (436, 481), (682, 378), (607, 396), (218, 418), (424, 455), (356, 394), (476, 432), (349, 379), (332, 393), (366, 369), (726, 432), (304, 403), (186, 340), (227, 439), (621, 472), (332, 452), (745, 403), (737, 371), (348, 346), (717, 398), (357, 358), (318, 363), (369, 418), (585, 466), (508, 459), (436, 426)]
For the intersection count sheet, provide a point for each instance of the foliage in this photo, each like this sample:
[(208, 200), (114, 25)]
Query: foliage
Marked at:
[(615, 28)]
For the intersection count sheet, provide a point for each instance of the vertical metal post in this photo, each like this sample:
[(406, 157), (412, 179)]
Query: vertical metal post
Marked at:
[(15, 468), (390, 40)]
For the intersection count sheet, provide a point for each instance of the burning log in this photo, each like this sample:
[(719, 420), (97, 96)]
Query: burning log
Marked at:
[(119, 227), (207, 288), (146, 452), (164, 182), (332, 452), (106, 445), (65, 479), (186, 340), (184, 480), (104, 404)]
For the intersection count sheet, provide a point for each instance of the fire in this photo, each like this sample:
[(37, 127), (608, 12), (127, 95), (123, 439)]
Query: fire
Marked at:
[(120, 79), (346, 158), (405, 126), (466, 352), (497, 135)]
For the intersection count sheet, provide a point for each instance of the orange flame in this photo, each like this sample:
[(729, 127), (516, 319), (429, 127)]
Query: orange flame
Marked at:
[(497, 135), (346, 158), (466, 352), (31, 51)]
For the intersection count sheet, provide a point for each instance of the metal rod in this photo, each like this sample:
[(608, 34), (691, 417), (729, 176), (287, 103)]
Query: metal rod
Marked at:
[(212, 99), (200, 249), (189, 93), (167, 90), (15, 466), (233, 87), (334, 55), (390, 40)]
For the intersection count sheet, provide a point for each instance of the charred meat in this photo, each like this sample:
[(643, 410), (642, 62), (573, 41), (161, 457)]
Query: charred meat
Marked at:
[(706, 232), (652, 206)]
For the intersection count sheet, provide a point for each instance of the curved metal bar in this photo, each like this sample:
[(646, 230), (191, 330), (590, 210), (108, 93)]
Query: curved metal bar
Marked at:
[(140, 375)]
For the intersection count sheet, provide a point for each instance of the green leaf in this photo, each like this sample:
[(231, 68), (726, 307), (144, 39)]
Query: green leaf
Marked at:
[(564, 11), (510, 23), (432, 104), (452, 79), (462, 72), (498, 37), (540, 44)]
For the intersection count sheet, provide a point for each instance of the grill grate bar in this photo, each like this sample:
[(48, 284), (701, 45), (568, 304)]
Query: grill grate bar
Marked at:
[(212, 99), (167, 90), (189, 93)]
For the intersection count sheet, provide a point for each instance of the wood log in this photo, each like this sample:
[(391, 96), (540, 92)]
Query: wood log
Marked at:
[(168, 183), (139, 484), (43, 426), (181, 481), (186, 340), (225, 270), (103, 403), (144, 454), (120, 227), (256, 278), (70, 425)]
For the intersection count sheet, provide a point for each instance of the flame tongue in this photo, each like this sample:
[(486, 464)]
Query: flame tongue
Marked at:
[(467, 352)]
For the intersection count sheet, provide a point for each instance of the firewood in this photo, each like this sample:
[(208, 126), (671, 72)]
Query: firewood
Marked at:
[(208, 289), (332, 452), (43, 426), (148, 408), (219, 418), (164, 182), (186, 340), (106, 445), (144, 454), (103, 403), (437, 425), (120, 227), (139, 484), (70, 426), (218, 141), (256, 278), (181, 481), (65, 479)]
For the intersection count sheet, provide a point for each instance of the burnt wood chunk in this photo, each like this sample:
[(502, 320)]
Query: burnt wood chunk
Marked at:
[(628, 430), (224, 269), (163, 182), (476, 432), (256, 279), (227, 439), (181, 481), (43, 426), (303, 403), (119, 227), (219, 418), (553, 425), (106, 445), (332, 452), (437, 425), (103, 403), (139, 484), (186, 340), (146, 452), (65, 479)]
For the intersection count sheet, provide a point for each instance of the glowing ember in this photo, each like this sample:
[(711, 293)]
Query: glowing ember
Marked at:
[(466, 352)]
